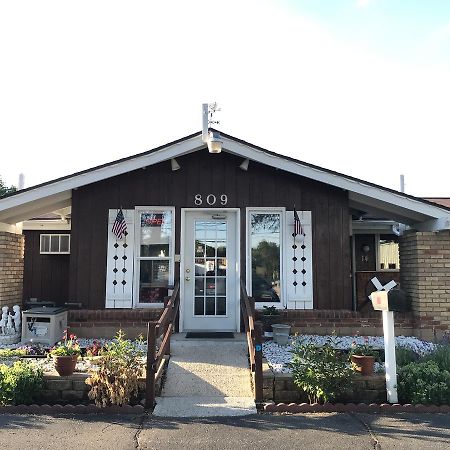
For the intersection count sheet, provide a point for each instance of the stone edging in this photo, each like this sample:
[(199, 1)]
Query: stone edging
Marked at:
[(71, 409), (352, 407)]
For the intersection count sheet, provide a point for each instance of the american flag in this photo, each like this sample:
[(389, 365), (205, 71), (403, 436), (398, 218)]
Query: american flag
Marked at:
[(119, 227), (298, 229)]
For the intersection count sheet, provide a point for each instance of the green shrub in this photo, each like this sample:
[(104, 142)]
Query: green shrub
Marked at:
[(404, 356), (20, 383), (322, 372), (9, 353), (441, 356), (425, 383)]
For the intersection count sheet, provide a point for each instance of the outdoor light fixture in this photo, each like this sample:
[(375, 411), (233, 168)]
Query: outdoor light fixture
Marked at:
[(244, 164), (211, 138), (214, 142), (174, 165)]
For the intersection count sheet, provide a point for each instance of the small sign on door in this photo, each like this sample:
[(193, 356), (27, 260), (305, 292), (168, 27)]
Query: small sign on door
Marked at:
[(380, 300)]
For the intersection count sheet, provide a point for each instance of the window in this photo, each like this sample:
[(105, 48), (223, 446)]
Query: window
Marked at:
[(388, 256), (265, 255), (155, 258), (55, 244)]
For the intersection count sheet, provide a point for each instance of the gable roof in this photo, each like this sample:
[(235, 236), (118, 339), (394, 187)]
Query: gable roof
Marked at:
[(364, 196)]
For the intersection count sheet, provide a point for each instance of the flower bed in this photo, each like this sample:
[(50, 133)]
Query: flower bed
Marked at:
[(65, 389), (278, 357)]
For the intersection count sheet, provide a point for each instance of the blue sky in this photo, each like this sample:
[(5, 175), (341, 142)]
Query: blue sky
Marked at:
[(357, 86), (396, 28)]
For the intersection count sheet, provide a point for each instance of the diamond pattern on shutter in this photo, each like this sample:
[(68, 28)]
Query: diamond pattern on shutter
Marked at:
[(298, 262), (119, 263)]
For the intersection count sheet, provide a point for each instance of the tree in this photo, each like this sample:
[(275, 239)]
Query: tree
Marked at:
[(4, 190)]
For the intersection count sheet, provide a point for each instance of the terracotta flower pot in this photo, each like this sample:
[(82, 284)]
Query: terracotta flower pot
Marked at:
[(363, 364), (65, 365)]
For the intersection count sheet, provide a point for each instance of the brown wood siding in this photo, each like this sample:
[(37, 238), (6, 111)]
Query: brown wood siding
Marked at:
[(202, 173), (46, 277)]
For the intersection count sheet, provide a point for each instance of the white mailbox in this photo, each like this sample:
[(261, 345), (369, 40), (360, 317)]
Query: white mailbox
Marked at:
[(44, 325)]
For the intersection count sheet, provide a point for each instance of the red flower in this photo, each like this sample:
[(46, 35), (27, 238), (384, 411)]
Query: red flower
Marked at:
[(72, 336)]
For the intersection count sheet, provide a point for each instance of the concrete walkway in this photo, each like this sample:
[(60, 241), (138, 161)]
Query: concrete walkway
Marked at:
[(206, 378)]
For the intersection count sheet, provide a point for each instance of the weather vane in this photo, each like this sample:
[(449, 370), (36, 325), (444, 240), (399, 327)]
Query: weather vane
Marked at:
[(212, 109)]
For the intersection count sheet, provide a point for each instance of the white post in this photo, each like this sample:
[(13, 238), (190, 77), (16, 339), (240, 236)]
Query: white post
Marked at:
[(205, 122), (389, 356)]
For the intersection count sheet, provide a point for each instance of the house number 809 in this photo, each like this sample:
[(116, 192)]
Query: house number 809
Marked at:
[(211, 199)]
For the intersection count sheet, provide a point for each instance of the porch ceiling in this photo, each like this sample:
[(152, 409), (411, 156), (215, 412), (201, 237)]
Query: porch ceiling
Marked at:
[(33, 208)]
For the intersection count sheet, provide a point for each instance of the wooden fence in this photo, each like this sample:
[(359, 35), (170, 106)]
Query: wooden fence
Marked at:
[(163, 328), (253, 331)]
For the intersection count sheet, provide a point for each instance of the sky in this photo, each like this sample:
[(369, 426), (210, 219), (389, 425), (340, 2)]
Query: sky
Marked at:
[(361, 87)]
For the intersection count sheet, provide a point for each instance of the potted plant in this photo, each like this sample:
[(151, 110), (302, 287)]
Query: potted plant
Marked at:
[(269, 316), (281, 333), (363, 357), (65, 355)]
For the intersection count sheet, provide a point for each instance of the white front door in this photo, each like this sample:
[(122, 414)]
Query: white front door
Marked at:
[(210, 271)]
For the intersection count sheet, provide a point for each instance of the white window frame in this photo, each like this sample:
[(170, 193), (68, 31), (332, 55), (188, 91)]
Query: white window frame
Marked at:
[(59, 243), (248, 248), (138, 258)]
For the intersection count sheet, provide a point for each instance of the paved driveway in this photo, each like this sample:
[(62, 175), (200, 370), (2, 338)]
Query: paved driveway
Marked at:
[(305, 431)]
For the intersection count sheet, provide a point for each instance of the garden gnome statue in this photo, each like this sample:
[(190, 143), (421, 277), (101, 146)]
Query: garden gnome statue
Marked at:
[(16, 317), (4, 320)]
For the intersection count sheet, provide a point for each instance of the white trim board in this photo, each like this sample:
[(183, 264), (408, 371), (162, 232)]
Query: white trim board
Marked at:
[(396, 204)]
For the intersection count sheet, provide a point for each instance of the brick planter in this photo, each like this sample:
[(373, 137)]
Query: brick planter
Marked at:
[(280, 388), (62, 390)]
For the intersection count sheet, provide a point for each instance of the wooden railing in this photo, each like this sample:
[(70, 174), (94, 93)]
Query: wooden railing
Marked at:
[(163, 328), (253, 331)]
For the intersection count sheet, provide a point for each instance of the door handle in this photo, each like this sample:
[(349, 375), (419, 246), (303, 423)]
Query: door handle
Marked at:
[(188, 278)]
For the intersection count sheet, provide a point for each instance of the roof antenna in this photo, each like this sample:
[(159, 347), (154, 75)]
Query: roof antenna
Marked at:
[(211, 138)]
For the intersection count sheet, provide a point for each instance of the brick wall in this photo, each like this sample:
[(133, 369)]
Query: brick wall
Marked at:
[(280, 387), (425, 276), (105, 323), (11, 268), (344, 322)]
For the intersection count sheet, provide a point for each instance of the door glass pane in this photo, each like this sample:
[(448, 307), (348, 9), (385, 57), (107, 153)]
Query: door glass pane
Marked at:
[(199, 309), (265, 237), (210, 264), (210, 306), (210, 286), (200, 266), (199, 247), (199, 286), (153, 281), (210, 267), (222, 267), (210, 248), (156, 234), (221, 306), (221, 286)]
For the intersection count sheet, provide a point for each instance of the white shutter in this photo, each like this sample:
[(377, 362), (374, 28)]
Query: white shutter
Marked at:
[(298, 262), (120, 263)]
